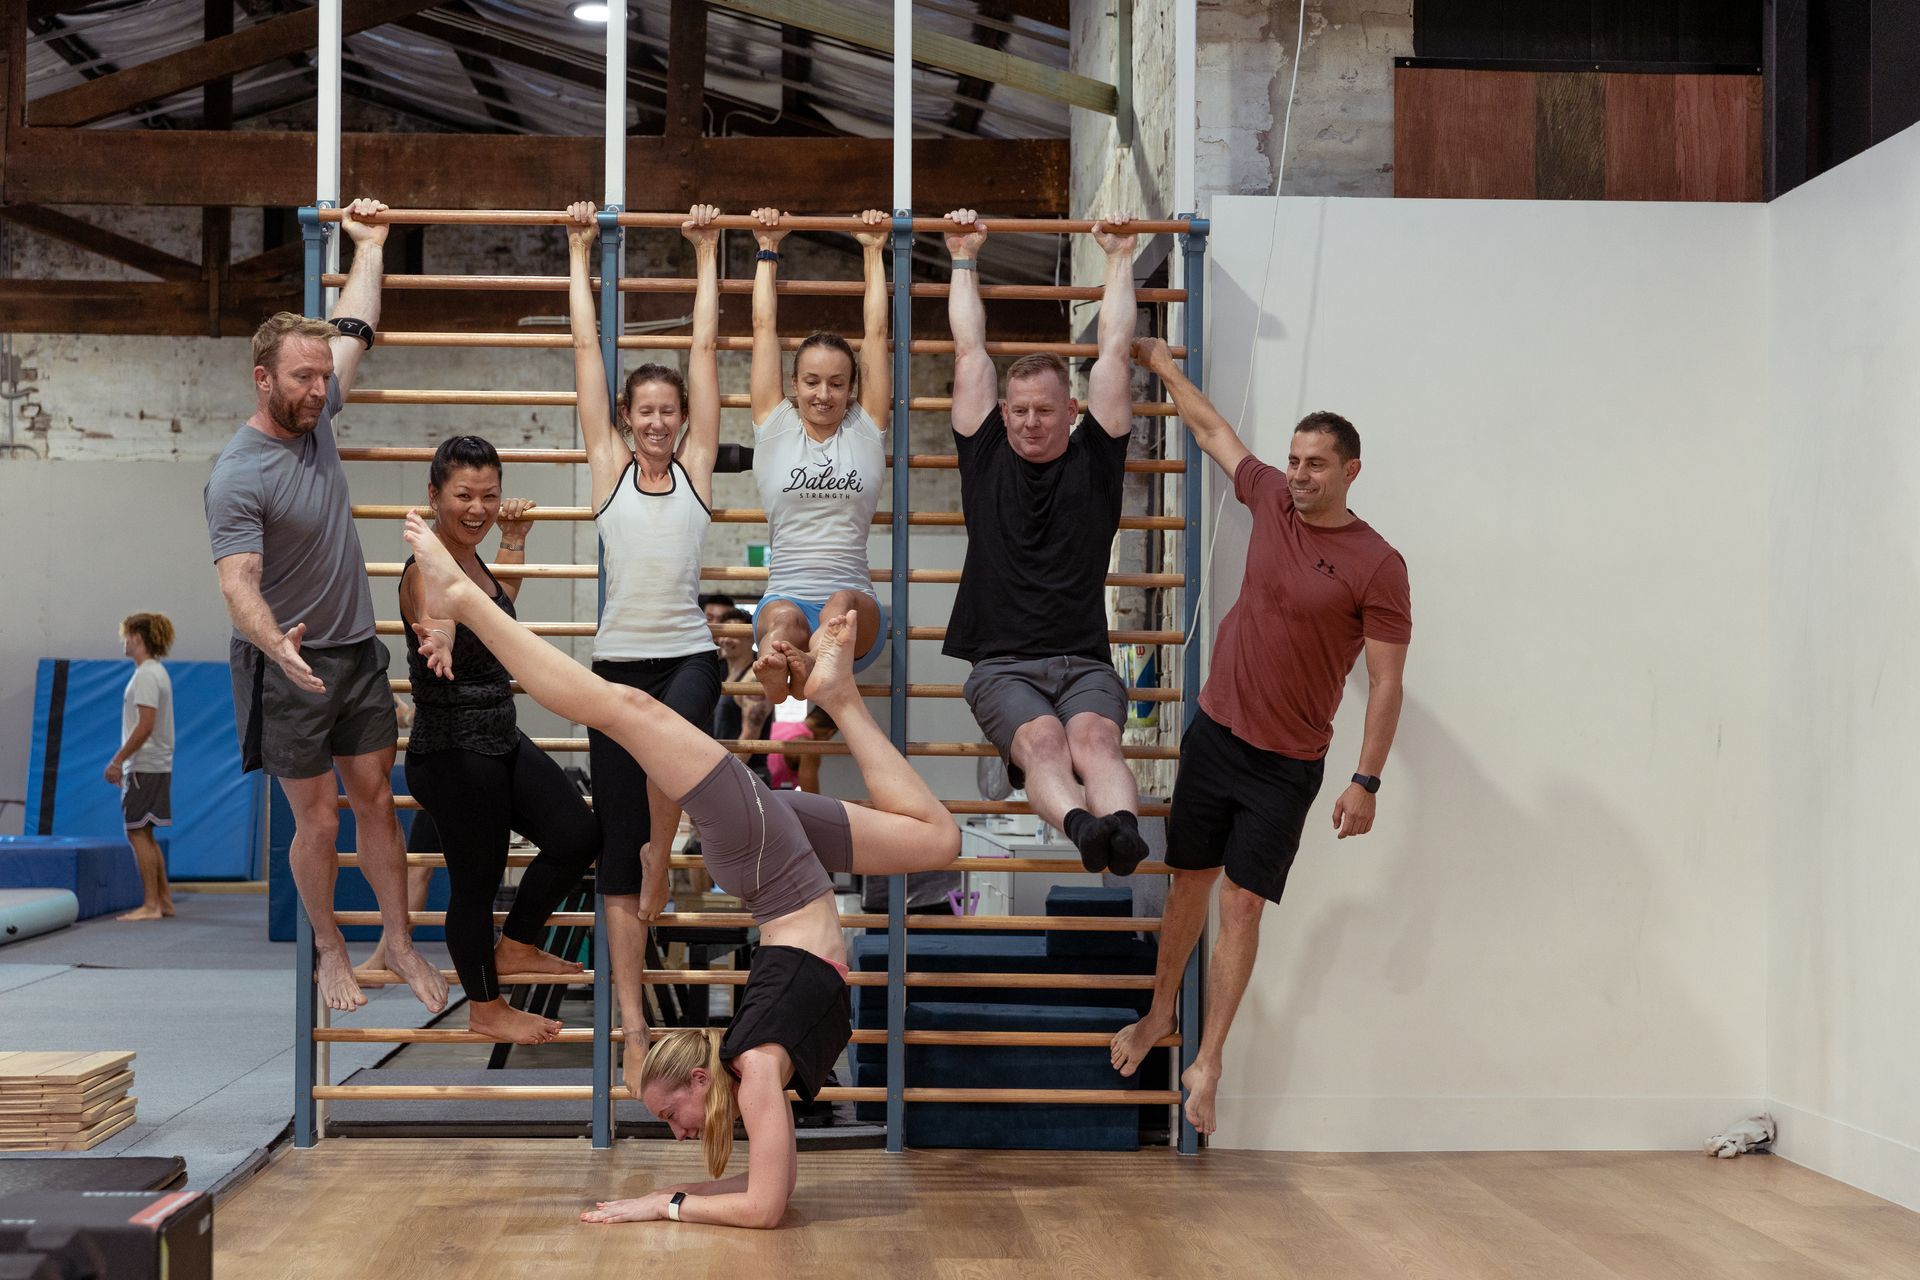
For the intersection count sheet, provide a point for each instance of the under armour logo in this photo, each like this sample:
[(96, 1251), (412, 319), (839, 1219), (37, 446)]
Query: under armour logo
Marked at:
[(1322, 566)]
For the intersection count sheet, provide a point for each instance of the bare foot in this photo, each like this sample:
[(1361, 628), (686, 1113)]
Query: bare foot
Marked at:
[(425, 981), (442, 581), (1200, 1080), (770, 669), (334, 974), (830, 663), (142, 912), (166, 907), (375, 963), (1132, 1043), (799, 670), (637, 1042), (520, 957), (500, 1021)]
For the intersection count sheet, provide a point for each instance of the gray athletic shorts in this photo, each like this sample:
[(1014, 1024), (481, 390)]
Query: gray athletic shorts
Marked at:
[(775, 850), (1006, 693), (146, 799), (295, 734)]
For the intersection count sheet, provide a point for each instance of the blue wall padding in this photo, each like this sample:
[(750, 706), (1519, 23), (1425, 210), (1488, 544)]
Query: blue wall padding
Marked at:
[(218, 811), (351, 891), (1089, 900), (1046, 1127), (28, 913), (99, 871)]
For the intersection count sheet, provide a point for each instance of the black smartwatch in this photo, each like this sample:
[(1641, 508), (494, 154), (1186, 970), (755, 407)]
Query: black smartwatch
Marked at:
[(766, 255), (1368, 782), (352, 328), (673, 1205)]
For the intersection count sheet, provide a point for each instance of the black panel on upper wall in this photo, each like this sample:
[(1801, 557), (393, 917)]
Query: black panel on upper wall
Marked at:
[(1678, 32)]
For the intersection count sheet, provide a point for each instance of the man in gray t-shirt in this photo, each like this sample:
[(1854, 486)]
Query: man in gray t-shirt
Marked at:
[(310, 691)]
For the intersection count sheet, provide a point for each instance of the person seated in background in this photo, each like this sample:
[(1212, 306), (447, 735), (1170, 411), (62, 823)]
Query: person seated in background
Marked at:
[(801, 772)]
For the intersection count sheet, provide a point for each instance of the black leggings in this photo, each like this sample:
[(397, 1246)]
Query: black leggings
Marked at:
[(690, 686), (477, 801)]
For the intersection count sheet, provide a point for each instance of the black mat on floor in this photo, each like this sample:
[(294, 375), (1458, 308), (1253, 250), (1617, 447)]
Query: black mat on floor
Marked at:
[(90, 1173), (508, 1118)]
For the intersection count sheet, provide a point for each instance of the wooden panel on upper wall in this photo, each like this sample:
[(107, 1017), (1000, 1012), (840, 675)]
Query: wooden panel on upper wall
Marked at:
[(1576, 135), (1464, 134)]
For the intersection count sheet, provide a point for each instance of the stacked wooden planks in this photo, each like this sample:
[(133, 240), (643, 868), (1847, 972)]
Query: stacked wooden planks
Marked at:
[(63, 1101)]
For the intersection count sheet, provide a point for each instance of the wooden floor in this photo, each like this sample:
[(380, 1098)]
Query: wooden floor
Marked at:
[(485, 1208)]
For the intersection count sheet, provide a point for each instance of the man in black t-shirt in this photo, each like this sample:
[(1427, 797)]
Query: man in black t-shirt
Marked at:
[(1042, 503)]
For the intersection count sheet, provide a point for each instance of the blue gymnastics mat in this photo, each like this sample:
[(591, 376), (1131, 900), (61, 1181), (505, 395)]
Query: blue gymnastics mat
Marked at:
[(219, 813)]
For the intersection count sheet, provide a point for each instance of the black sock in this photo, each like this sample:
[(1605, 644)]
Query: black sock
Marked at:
[(1090, 836), (1127, 847)]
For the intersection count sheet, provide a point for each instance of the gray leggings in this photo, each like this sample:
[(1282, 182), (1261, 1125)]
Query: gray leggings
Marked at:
[(772, 849)]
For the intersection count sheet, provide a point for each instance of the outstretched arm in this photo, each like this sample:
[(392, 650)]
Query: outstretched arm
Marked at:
[(253, 618), (360, 295), (876, 365), (764, 390), (975, 383), (516, 523), (1110, 385), (702, 444), (606, 451), (1212, 432)]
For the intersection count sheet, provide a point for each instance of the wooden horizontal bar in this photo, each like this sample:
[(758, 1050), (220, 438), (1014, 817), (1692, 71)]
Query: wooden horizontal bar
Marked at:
[(748, 573), (552, 399), (754, 515), (1147, 809), (878, 978), (452, 1092), (797, 747), (393, 627), (1030, 1039), (388, 978), (798, 288), (744, 222), (578, 457), (684, 342), (430, 1035), (744, 920), (749, 688)]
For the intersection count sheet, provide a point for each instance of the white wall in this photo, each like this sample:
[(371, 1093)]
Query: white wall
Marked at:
[(1843, 1029), (1551, 939)]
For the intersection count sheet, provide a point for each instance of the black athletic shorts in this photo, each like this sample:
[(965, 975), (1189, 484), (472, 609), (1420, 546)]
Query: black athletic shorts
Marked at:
[(798, 1001), (292, 733), (1237, 806)]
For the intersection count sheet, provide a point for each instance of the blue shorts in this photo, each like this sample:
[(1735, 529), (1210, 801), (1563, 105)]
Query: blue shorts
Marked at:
[(813, 608)]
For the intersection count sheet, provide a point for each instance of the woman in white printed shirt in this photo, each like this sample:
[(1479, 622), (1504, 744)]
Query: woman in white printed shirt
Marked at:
[(820, 460)]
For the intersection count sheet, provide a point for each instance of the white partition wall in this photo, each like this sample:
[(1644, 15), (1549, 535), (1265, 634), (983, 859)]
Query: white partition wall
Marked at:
[(1554, 936), (1843, 1027)]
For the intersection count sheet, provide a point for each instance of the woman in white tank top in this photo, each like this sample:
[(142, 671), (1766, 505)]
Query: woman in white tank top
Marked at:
[(652, 499), (820, 459)]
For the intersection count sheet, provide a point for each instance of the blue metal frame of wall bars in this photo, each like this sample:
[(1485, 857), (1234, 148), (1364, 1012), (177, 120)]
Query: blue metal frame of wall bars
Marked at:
[(1193, 248), (613, 322), (901, 424)]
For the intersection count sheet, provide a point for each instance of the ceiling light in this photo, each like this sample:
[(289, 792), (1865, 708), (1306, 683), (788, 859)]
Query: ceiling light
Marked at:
[(589, 11)]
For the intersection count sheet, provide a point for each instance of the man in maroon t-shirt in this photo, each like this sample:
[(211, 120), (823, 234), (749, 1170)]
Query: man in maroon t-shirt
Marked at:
[(1320, 587)]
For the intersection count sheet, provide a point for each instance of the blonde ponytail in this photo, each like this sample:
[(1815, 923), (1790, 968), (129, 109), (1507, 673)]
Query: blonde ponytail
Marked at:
[(671, 1060)]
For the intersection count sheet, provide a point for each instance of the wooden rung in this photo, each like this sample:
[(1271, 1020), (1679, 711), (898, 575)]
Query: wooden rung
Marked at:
[(868, 978), (1148, 809), (450, 1092), (388, 978), (671, 221), (1030, 1039), (684, 342), (744, 920), (431, 1035), (793, 288), (750, 688), (796, 747), (754, 515), (394, 627), (578, 457), (748, 573), (559, 399)]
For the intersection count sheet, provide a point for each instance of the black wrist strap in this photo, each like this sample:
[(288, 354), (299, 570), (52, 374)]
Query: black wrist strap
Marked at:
[(349, 327)]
